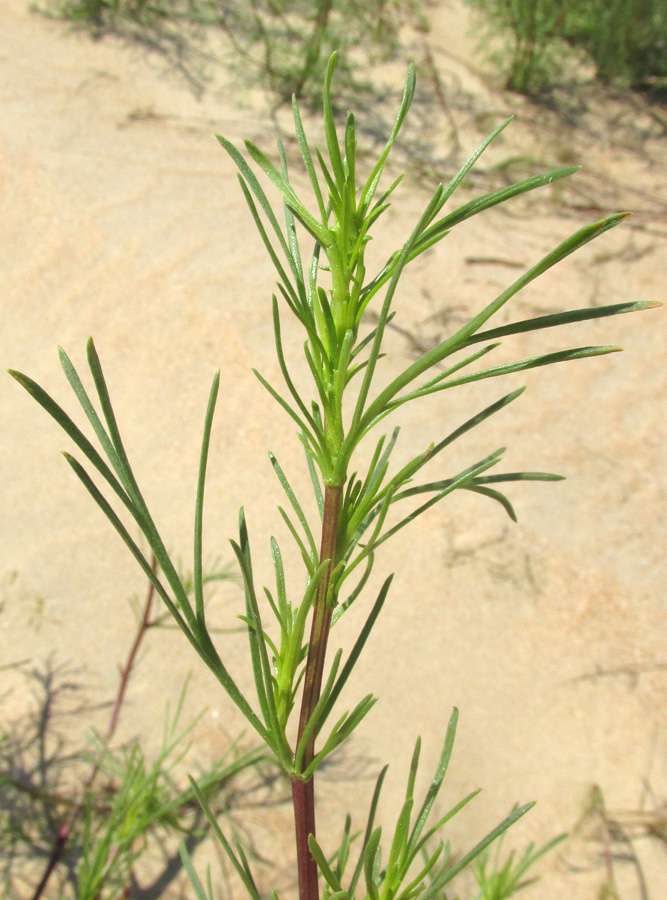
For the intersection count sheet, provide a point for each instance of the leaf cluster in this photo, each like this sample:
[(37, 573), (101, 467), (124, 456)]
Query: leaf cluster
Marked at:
[(416, 867), (104, 822), (624, 39)]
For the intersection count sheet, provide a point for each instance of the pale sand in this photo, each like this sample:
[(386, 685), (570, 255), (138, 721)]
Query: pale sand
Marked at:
[(122, 218)]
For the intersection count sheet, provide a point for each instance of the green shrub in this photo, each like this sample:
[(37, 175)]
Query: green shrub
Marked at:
[(626, 40), (283, 45)]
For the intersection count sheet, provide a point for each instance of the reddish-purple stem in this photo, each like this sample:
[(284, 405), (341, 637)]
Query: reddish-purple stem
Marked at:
[(303, 792), (65, 827)]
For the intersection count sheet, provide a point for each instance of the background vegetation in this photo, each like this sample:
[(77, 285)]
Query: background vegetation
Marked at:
[(625, 40), (283, 45)]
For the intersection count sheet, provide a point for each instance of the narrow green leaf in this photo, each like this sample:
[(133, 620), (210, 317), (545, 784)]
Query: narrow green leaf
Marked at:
[(335, 203), (369, 337), (91, 414), (322, 864), (242, 870), (307, 158), (449, 485), (257, 190), (333, 146), (293, 243), (394, 872), (374, 178), (145, 521), (358, 646), (310, 560), (341, 731), (192, 875), (369, 828), (74, 432), (414, 888), (437, 885), (322, 234), (479, 204), (292, 294), (288, 409), (494, 495), (350, 151), (116, 522), (257, 642), (547, 360), (314, 720), (432, 386), (371, 863), (463, 335), (565, 318), (470, 162), (198, 571), (110, 417), (434, 829), (134, 503), (314, 477), (360, 417), (283, 366), (436, 782), (296, 506)]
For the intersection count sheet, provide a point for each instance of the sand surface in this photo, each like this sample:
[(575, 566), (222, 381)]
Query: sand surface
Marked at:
[(121, 218)]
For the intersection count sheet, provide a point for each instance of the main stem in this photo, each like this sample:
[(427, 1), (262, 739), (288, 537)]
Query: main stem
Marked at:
[(303, 792)]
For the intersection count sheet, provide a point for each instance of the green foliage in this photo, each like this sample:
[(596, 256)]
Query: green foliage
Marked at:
[(282, 45), (286, 44), (531, 57), (326, 296), (145, 801), (88, 816), (108, 821), (626, 40), (410, 870), (498, 880)]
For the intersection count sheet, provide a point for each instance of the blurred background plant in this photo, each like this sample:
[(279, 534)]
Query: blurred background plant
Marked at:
[(75, 820), (624, 40), (280, 45), (283, 45)]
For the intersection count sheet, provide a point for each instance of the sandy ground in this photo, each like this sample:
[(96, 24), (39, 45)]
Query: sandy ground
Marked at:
[(122, 218)]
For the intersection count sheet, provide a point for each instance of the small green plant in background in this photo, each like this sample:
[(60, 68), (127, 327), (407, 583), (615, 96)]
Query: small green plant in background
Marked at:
[(625, 40), (531, 58), (498, 879), (88, 830), (289, 624), (285, 44), (281, 45)]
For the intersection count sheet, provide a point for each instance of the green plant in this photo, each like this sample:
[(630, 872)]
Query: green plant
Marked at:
[(533, 57), (499, 880), (285, 44), (626, 40), (358, 510), (92, 827), (282, 45)]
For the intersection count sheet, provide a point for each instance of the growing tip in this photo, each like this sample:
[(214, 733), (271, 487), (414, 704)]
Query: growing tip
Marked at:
[(648, 304), (22, 379)]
